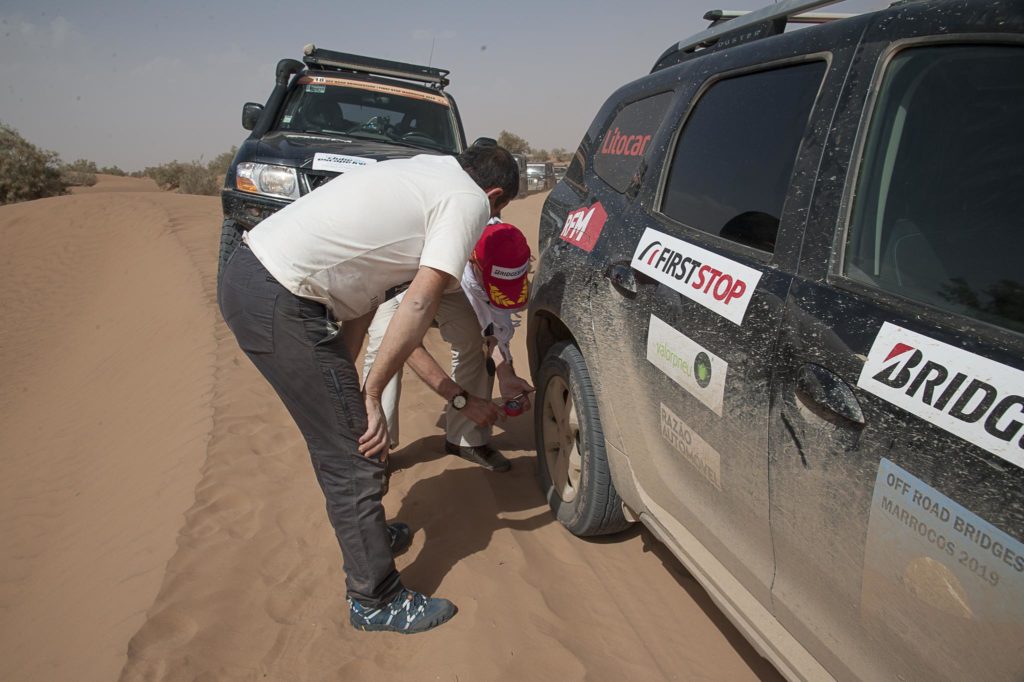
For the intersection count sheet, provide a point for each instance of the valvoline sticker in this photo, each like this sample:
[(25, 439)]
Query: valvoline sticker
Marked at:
[(583, 226)]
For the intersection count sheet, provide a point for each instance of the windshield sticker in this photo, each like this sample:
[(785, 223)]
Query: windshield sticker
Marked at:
[(972, 397), (320, 89), (694, 449), (339, 163), (286, 118), (684, 361), (719, 284), (941, 577), (374, 87), (583, 226)]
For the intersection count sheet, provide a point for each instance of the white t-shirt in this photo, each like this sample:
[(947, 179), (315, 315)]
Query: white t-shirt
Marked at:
[(369, 230)]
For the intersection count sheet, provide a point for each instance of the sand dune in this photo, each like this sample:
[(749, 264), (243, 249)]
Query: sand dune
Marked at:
[(160, 519)]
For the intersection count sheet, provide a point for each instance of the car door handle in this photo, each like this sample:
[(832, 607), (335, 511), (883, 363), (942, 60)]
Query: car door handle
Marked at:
[(621, 277), (823, 387)]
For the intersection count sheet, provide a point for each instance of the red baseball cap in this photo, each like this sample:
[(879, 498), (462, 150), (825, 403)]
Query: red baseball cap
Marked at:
[(504, 260)]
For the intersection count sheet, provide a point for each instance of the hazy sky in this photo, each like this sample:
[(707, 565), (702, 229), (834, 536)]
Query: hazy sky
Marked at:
[(133, 84)]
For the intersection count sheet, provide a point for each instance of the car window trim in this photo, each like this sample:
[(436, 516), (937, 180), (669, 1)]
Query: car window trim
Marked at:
[(659, 194), (834, 275)]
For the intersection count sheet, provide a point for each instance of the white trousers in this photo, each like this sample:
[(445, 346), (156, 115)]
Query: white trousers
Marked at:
[(459, 327)]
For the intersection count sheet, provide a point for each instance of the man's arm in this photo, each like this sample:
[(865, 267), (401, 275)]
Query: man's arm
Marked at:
[(405, 332), (479, 409), (510, 385)]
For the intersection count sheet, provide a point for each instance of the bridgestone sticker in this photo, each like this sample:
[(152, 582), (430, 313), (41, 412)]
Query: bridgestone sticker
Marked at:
[(715, 282), (684, 361), (339, 163), (972, 397), (941, 577), (694, 449)]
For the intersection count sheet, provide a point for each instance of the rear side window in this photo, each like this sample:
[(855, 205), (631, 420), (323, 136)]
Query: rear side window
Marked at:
[(732, 165), (937, 215), (624, 144)]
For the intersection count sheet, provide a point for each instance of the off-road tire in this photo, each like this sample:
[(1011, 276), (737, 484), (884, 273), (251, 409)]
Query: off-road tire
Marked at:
[(596, 508), (230, 238)]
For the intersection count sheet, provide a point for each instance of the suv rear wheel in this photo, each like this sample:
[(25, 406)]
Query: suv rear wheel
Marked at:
[(573, 465)]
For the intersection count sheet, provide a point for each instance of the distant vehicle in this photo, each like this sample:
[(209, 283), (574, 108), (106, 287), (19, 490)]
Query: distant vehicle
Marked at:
[(524, 186), (540, 176), (778, 318), (328, 114), (560, 172)]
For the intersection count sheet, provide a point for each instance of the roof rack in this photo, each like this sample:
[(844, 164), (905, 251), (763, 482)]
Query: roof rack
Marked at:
[(317, 58), (729, 28)]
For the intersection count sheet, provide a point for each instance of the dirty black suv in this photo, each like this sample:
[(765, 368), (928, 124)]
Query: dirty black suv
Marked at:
[(779, 319), (327, 114)]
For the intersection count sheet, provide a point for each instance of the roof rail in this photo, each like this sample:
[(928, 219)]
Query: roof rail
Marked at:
[(717, 16), (318, 58), (732, 28)]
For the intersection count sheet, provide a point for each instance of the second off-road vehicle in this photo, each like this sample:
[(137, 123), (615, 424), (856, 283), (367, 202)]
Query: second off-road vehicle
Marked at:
[(328, 114)]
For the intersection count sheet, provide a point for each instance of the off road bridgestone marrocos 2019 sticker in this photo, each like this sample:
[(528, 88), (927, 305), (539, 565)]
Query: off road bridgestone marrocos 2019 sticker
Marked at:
[(716, 282), (686, 362), (972, 397), (339, 163), (940, 577)]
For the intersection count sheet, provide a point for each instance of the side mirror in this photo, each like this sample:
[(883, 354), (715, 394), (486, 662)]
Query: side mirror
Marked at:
[(251, 112)]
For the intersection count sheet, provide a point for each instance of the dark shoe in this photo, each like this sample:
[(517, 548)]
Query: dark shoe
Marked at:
[(484, 455), (407, 613), (400, 536)]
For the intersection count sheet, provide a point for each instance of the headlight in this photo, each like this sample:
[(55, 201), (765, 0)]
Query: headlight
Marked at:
[(265, 178)]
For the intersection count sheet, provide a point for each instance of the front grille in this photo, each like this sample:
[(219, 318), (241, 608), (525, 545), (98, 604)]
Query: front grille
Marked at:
[(314, 179)]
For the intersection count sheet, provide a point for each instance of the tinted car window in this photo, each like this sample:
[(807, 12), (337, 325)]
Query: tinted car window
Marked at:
[(937, 215), (623, 145), (734, 158)]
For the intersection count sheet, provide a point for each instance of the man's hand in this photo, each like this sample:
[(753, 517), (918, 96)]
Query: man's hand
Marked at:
[(514, 387), (375, 440), (482, 412)]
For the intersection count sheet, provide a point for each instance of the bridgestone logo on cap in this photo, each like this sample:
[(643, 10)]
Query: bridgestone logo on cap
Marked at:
[(970, 396), (499, 272)]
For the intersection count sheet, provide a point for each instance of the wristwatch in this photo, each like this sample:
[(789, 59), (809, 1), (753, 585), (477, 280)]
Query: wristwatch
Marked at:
[(460, 399)]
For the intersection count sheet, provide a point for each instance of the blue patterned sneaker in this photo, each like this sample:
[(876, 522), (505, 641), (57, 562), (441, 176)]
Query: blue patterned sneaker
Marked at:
[(407, 613), (399, 537)]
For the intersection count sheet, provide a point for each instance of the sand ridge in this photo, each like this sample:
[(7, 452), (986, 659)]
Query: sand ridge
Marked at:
[(220, 563)]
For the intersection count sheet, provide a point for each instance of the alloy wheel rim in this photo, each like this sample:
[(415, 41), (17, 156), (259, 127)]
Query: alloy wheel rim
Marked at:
[(561, 432)]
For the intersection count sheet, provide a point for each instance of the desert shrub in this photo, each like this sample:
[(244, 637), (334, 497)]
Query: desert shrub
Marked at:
[(27, 172), (198, 179), (167, 175), (113, 170), (192, 177), (81, 173)]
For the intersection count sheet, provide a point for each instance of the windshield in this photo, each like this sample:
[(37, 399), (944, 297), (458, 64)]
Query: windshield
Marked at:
[(373, 111), (535, 170)]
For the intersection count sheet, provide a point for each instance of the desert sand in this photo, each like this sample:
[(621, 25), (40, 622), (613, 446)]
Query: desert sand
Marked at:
[(160, 520)]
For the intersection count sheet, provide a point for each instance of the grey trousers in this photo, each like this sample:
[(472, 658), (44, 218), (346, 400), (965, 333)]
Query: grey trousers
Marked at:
[(297, 347)]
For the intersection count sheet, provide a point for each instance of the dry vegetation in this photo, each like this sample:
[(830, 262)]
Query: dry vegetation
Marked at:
[(28, 172)]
